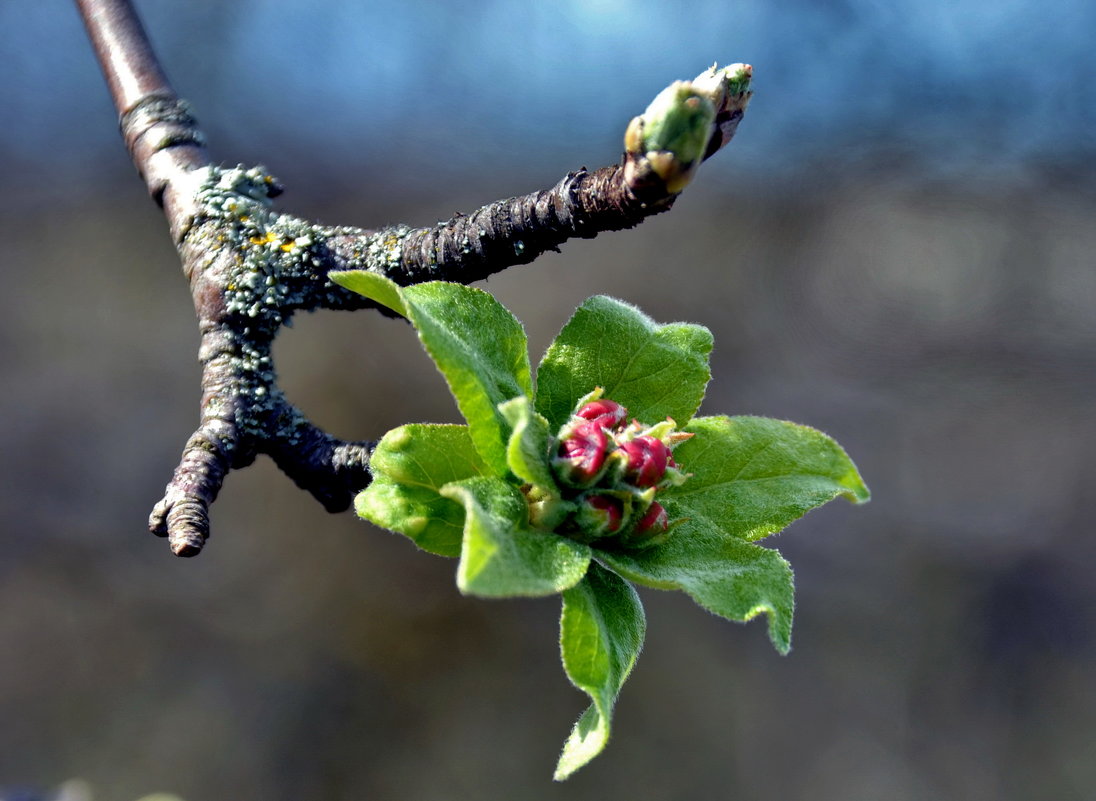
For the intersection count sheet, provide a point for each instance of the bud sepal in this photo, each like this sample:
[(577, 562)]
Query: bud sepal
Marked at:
[(547, 510)]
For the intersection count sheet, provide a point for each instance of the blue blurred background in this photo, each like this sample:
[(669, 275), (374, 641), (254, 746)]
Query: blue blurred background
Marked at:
[(897, 248)]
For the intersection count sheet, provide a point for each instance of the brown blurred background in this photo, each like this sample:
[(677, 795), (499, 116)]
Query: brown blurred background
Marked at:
[(898, 249)]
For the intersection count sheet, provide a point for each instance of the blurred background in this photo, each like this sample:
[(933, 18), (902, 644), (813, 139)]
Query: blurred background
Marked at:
[(897, 249)]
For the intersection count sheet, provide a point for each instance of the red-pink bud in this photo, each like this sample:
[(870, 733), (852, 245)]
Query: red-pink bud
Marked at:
[(654, 522), (647, 460), (651, 529), (581, 457), (605, 413), (607, 510)]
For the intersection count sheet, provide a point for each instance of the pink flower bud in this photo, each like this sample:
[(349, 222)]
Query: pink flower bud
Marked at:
[(651, 529), (647, 460), (654, 522), (605, 413), (581, 457), (602, 514)]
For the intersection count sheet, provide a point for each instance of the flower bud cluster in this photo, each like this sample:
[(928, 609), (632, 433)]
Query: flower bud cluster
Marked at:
[(609, 471)]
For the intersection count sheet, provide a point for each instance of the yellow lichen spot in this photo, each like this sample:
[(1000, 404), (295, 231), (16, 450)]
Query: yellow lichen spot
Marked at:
[(265, 239), (288, 245)]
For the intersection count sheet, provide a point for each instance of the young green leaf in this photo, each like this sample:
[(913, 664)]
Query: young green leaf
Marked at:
[(601, 632), (527, 451), (371, 285), (656, 371), (729, 577), (501, 555), (477, 344), (410, 465), (481, 349), (752, 476)]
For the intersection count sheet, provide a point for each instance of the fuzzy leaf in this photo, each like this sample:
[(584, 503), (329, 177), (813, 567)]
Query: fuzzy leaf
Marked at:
[(477, 344), (501, 555), (481, 349), (727, 576), (527, 451), (752, 476), (601, 632), (656, 371), (410, 465), (373, 286)]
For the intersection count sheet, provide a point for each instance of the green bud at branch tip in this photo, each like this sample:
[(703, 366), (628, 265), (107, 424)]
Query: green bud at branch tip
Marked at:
[(686, 123)]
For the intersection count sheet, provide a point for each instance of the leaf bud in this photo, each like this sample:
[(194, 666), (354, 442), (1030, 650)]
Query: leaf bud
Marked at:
[(729, 90)]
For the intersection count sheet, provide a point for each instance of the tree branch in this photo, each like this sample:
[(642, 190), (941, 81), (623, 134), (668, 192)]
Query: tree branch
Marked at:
[(250, 268), (162, 137)]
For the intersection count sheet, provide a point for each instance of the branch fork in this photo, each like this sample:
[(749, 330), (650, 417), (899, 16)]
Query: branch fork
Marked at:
[(251, 268)]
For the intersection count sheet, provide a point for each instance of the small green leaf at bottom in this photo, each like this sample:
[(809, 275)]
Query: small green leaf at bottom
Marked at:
[(501, 556), (601, 632)]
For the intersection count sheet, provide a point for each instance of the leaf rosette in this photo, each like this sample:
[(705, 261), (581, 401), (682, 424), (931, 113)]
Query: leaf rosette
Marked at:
[(550, 489)]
